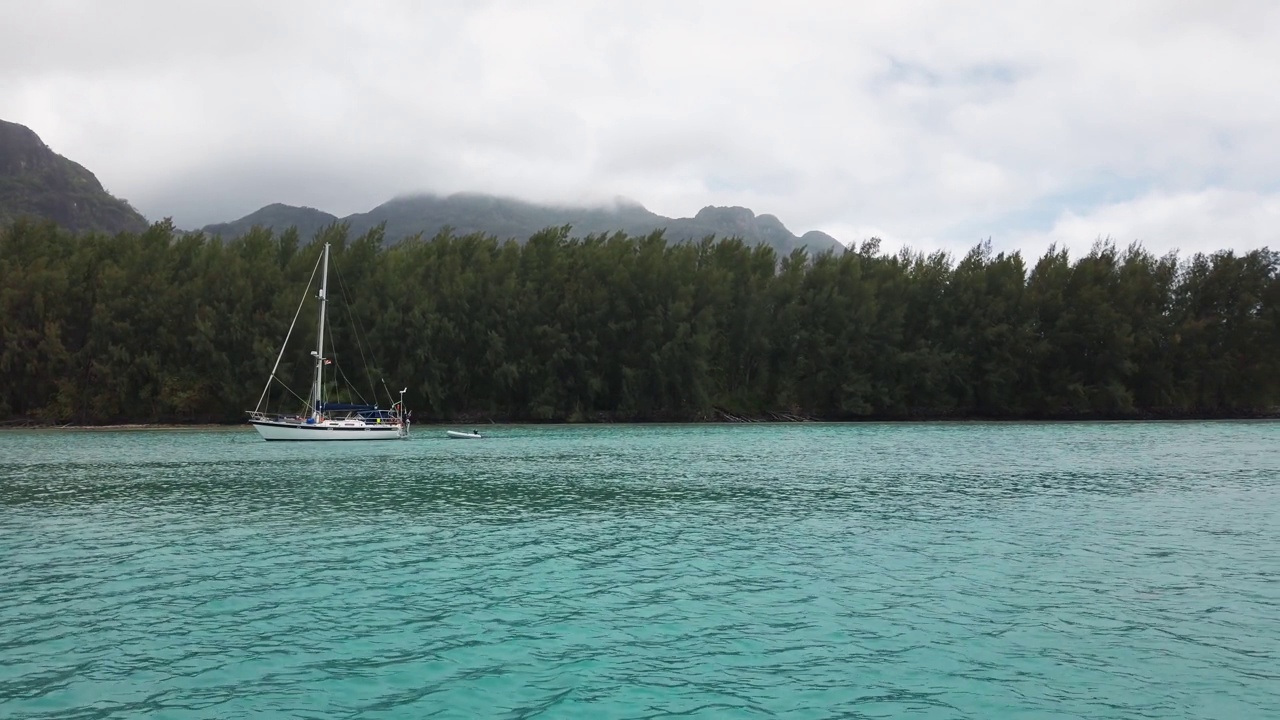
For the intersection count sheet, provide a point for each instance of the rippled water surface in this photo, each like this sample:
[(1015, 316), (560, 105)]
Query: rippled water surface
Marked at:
[(862, 571)]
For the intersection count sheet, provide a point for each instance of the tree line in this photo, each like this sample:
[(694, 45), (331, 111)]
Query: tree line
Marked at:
[(162, 326)]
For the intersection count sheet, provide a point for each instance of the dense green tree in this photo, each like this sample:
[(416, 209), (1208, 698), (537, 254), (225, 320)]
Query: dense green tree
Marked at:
[(165, 326)]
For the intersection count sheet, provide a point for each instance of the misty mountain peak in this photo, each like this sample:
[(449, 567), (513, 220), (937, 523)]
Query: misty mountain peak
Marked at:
[(35, 181), (733, 214), (511, 219)]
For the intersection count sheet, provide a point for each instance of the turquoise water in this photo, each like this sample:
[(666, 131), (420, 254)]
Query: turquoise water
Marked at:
[(807, 571)]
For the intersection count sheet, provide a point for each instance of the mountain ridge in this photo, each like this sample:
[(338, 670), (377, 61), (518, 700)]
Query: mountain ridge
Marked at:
[(510, 218), (37, 182)]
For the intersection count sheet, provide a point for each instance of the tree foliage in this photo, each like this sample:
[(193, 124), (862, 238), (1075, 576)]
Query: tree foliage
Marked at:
[(159, 326)]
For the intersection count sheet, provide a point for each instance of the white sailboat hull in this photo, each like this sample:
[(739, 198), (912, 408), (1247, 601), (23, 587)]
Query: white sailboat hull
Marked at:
[(328, 430)]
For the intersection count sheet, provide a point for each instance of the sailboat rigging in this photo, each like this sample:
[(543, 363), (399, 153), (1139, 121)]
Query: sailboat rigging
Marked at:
[(327, 420)]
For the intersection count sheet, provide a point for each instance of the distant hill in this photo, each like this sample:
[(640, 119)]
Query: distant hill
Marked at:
[(37, 182), (276, 216), (507, 218)]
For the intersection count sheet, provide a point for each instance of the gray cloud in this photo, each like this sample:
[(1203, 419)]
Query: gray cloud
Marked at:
[(933, 124)]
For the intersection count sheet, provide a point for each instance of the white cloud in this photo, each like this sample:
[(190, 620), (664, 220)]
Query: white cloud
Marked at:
[(934, 124), (1187, 223)]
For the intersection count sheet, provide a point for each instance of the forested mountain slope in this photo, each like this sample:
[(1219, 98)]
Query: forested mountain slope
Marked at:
[(37, 182)]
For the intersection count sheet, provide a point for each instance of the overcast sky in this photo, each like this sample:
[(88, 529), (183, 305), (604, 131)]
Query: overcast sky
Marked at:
[(929, 124)]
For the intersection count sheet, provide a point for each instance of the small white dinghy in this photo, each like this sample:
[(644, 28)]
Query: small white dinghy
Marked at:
[(462, 435)]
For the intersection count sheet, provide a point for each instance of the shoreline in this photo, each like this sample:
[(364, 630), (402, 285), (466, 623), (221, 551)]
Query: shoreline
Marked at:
[(459, 422), (127, 426)]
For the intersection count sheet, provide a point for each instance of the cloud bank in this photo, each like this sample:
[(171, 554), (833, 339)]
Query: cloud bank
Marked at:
[(929, 124)]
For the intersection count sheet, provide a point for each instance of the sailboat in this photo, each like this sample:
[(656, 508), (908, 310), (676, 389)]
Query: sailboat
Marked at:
[(321, 419)]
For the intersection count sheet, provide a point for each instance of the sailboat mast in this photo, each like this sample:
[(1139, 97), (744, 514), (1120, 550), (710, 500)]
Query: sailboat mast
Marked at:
[(317, 391)]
